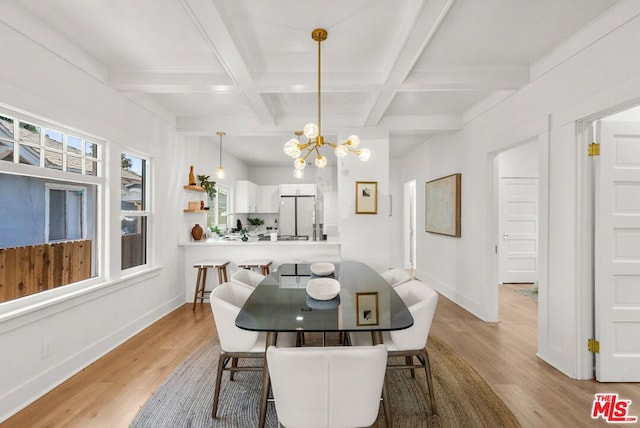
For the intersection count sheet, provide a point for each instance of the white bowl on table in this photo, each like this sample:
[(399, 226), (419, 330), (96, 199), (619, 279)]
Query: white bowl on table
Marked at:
[(323, 288), (322, 269)]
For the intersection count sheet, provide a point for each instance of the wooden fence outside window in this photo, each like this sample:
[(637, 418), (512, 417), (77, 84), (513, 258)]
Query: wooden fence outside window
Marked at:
[(35, 268)]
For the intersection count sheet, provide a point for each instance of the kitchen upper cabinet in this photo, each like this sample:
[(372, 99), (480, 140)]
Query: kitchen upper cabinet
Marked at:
[(252, 198), (297, 189), (269, 199), (246, 197)]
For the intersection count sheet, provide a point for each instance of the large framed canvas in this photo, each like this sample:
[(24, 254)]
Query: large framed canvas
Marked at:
[(442, 205), (366, 197)]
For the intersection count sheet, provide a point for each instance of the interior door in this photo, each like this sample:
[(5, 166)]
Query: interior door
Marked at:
[(409, 225), (617, 252), (518, 230)]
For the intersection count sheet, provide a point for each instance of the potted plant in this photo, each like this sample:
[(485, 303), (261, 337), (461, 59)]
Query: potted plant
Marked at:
[(244, 232), (209, 186), (215, 229), (255, 222)]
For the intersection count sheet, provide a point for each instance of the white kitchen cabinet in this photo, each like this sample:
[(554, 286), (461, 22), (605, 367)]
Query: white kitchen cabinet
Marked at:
[(297, 189), (269, 199), (246, 198)]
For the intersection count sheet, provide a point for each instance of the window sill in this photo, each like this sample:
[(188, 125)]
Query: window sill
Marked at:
[(17, 313)]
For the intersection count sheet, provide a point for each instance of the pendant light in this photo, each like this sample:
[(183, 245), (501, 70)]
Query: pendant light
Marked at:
[(220, 173)]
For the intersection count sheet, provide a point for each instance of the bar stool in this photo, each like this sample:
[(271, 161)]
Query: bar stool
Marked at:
[(201, 280), (263, 265)]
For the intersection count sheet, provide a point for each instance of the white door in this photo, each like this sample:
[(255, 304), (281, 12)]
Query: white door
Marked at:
[(518, 230), (617, 252), (409, 224)]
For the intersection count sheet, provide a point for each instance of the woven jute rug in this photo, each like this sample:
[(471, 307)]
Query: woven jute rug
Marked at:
[(463, 399)]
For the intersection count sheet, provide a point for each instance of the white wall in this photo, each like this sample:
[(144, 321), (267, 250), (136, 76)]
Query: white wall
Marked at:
[(84, 325), (365, 237), (519, 161), (595, 72)]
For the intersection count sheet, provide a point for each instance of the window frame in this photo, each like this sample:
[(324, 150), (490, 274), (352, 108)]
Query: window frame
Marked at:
[(145, 213), (214, 210), (47, 206), (101, 254)]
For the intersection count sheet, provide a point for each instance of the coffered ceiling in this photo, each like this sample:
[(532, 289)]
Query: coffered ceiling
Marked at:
[(404, 68)]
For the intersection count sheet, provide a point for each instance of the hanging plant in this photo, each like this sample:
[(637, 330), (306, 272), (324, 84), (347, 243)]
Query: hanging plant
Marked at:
[(209, 186)]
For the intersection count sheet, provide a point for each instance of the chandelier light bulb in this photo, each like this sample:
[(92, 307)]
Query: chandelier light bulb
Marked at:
[(364, 154), (299, 163), (292, 148), (341, 151), (220, 173), (298, 173), (311, 130), (321, 161), (353, 141)]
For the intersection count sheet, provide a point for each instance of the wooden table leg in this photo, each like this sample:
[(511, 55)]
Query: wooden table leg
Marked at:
[(266, 382), (376, 338)]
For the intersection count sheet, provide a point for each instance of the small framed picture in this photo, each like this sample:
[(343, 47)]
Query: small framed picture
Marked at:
[(366, 197), (367, 307)]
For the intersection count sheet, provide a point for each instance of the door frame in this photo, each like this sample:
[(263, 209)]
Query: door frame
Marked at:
[(542, 141), (585, 263)]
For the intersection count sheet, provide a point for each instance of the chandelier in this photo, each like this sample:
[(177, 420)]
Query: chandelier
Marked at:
[(313, 132)]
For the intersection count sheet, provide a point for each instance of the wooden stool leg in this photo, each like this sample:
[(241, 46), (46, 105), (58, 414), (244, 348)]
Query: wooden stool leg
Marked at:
[(204, 285), (195, 296), (219, 269)]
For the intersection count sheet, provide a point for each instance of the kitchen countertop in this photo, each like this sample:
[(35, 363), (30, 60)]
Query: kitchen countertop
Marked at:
[(218, 242)]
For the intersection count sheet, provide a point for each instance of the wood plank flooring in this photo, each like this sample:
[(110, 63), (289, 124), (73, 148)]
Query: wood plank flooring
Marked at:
[(109, 392)]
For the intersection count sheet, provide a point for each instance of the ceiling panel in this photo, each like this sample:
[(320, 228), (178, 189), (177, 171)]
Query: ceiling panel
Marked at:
[(409, 68)]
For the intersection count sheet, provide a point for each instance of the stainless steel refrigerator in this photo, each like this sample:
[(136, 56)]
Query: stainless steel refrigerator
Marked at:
[(298, 216)]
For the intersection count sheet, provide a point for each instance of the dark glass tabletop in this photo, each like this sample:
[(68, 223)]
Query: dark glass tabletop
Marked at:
[(366, 302)]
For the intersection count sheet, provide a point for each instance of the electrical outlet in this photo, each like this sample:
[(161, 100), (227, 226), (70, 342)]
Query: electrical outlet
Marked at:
[(47, 349)]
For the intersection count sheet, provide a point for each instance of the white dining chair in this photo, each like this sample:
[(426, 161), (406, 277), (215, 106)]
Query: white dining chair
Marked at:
[(395, 276), (247, 277), (318, 387), (421, 300), (226, 301)]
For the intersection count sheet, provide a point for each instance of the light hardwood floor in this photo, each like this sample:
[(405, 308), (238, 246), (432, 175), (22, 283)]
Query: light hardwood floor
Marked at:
[(109, 392)]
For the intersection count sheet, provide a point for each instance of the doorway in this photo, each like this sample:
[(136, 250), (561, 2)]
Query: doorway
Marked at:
[(517, 212)]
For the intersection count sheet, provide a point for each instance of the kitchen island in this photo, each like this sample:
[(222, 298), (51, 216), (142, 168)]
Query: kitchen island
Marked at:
[(237, 252)]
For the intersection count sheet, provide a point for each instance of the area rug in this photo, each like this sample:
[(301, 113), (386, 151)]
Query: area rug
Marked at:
[(530, 293), (463, 398)]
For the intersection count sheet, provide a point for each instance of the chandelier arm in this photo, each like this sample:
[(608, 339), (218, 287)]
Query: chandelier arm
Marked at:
[(308, 153), (332, 145), (305, 145)]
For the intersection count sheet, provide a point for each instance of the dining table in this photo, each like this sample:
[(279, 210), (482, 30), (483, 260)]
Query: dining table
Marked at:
[(281, 303)]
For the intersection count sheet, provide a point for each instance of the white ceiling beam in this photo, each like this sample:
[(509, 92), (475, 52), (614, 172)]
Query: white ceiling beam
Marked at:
[(189, 81), (426, 24), (208, 20), (207, 126), (466, 80), (171, 81)]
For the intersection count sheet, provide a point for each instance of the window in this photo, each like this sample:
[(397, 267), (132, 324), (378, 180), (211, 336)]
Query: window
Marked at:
[(50, 178), (65, 215), (133, 207), (219, 207), (51, 148)]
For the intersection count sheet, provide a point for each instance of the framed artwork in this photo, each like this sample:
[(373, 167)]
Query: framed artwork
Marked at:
[(366, 197), (367, 307), (442, 205)]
